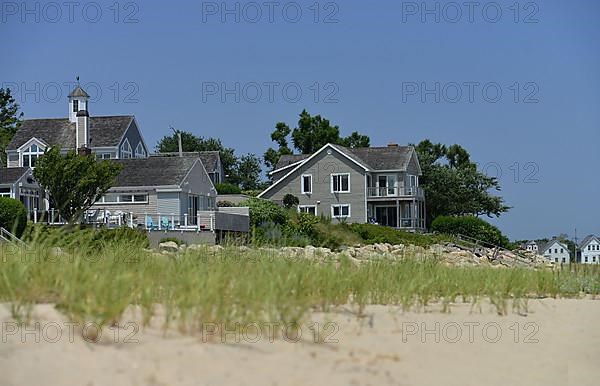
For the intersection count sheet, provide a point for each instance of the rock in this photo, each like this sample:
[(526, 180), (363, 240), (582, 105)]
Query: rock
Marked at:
[(195, 247), (169, 246), (310, 251), (216, 248)]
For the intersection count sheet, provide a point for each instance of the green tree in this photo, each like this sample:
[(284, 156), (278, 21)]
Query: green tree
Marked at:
[(193, 143), (74, 182), (246, 173), (10, 120), (453, 185), (312, 133)]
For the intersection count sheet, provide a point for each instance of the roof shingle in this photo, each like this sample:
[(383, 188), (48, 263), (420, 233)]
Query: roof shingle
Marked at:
[(154, 171)]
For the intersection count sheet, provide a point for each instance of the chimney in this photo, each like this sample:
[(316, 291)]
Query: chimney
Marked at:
[(82, 129), (392, 145), (84, 151)]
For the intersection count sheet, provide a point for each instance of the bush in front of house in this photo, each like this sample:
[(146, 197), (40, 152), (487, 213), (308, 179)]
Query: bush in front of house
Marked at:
[(372, 234), (472, 227), (226, 188), (225, 204), (265, 211), (13, 215), (290, 201)]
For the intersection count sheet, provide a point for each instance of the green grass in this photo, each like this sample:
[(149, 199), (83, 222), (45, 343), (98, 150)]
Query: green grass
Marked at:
[(97, 284)]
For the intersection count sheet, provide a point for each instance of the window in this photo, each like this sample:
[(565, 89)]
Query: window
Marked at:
[(112, 198), (4, 192), (586, 259), (126, 151), (340, 183), (594, 259), (556, 260), (75, 106), (306, 183), (562, 250), (340, 211), (139, 151), (102, 155), (31, 154), (555, 250), (312, 209), (564, 260)]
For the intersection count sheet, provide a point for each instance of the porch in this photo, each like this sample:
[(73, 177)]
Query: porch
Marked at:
[(400, 214)]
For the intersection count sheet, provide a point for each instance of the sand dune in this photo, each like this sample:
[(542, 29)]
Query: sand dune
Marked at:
[(556, 343)]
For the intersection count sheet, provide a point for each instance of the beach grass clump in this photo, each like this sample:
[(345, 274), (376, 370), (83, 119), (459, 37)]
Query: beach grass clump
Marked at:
[(231, 287)]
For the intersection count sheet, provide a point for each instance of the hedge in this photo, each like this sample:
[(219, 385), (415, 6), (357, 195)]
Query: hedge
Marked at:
[(13, 215)]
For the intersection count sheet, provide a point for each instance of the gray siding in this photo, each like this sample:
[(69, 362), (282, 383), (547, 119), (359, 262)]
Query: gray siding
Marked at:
[(12, 160), (139, 210), (168, 203), (321, 167)]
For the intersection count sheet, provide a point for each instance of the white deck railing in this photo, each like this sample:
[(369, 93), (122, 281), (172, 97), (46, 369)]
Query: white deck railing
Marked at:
[(395, 192)]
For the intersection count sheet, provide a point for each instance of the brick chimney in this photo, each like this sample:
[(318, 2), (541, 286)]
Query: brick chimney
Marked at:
[(82, 129), (84, 151)]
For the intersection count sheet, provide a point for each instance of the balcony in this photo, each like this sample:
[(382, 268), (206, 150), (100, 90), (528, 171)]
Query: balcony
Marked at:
[(383, 192)]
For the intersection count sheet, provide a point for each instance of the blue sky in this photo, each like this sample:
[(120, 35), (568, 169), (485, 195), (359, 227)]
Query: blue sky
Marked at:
[(519, 87)]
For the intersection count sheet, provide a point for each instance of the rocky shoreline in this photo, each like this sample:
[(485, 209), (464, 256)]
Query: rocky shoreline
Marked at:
[(449, 254)]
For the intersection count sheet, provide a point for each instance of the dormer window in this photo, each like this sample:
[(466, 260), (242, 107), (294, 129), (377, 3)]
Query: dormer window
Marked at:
[(75, 105), (30, 155), (139, 151)]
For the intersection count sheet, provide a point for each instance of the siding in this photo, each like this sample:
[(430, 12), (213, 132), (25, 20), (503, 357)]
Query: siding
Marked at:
[(13, 160), (321, 167), (168, 202), (139, 210), (134, 137)]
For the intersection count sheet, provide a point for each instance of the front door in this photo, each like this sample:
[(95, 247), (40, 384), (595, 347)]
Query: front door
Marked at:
[(386, 216)]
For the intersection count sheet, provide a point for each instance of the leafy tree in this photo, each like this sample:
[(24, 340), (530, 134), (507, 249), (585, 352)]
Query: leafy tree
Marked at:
[(290, 201), (312, 133), (192, 143), (246, 173), (13, 215), (10, 120), (227, 188), (453, 185), (74, 182)]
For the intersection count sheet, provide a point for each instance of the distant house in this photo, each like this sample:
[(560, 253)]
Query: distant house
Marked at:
[(590, 250), (210, 159), (176, 188), (355, 185), (555, 251), (18, 183)]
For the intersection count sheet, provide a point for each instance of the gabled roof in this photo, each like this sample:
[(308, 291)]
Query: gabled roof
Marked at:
[(210, 159), (12, 175), (154, 171), (587, 240), (543, 248), (288, 160), (104, 131), (78, 92), (381, 158)]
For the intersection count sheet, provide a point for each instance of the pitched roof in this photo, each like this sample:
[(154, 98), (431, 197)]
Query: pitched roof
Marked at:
[(104, 131), (209, 158), (154, 171), (587, 239), (78, 92), (12, 175), (289, 159)]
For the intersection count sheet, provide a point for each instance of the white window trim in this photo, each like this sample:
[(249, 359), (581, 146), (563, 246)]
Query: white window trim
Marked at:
[(333, 175), (119, 202), (129, 150), (307, 206), (24, 152), (340, 206), (139, 151), (302, 184)]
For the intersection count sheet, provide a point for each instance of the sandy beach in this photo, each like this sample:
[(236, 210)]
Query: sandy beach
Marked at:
[(557, 342)]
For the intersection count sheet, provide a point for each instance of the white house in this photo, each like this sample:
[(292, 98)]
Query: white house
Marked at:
[(590, 250), (531, 246), (556, 252)]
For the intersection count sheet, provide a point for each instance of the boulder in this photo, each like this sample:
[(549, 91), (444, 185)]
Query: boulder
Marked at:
[(169, 246)]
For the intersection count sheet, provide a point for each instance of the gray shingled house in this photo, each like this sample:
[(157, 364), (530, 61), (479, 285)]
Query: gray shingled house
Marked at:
[(18, 183), (210, 159), (377, 185)]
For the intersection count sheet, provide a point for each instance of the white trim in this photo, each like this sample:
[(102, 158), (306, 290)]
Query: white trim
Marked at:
[(129, 152), (306, 161), (302, 184), (332, 175), (143, 154), (307, 206), (340, 206), (28, 144), (287, 166), (119, 202)]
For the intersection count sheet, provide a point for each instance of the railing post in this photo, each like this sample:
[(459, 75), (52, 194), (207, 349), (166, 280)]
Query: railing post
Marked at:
[(197, 221), (159, 222), (172, 221), (131, 219), (35, 215), (185, 219)]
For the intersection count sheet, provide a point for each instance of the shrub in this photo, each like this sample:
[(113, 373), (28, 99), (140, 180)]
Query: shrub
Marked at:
[(13, 215), (472, 227), (264, 211), (371, 234), (226, 188), (225, 204), (290, 201)]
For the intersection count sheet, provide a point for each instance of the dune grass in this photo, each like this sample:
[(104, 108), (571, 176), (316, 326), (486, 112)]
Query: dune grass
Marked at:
[(202, 286)]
